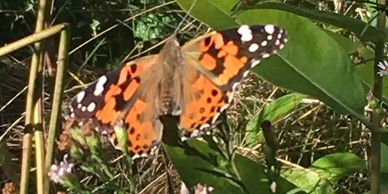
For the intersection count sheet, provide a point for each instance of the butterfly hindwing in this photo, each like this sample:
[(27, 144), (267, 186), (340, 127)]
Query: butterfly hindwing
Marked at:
[(113, 100)]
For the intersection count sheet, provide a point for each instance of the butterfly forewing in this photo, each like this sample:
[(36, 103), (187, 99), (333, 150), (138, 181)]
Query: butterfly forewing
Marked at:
[(225, 57)]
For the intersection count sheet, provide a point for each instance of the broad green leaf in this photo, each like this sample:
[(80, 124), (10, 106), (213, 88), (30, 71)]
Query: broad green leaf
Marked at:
[(311, 63), (273, 112), (334, 166), (361, 29), (348, 45), (218, 18), (384, 158), (197, 163), (384, 183), (200, 165), (253, 177), (307, 180)]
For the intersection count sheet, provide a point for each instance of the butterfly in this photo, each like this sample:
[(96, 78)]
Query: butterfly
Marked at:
[(194, 82)]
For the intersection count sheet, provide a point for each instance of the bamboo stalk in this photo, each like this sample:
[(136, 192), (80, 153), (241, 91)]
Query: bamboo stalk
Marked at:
[(38, 121), (32, 105), (36, 37), (57, 99), (26, 148)]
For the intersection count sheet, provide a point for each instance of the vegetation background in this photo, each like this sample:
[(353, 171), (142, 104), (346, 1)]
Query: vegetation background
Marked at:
[(322, 144)]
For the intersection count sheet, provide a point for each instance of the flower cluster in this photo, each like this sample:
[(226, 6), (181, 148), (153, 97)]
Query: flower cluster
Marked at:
[(59, 172)]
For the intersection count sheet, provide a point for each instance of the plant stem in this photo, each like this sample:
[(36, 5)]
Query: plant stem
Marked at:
[(376, 117)]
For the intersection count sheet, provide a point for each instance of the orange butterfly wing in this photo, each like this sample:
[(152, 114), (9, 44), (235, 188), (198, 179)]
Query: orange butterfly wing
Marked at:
[(222, 59), (114, 101)]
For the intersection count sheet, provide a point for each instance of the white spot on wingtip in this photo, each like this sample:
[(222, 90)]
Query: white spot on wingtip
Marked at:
[(277, 42), (80, 96), (100, 85), (264, 43), (79, 106), (83, 108), (245, 32), (91, 107), (270, 29), (254, 62), (266, 55), (253, 47), (269, 37)]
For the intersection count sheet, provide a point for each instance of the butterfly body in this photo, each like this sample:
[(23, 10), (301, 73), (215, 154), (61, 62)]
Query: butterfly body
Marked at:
[(195, 82)]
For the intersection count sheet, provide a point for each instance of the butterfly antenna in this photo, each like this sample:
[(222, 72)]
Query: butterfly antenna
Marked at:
[(185, 17)]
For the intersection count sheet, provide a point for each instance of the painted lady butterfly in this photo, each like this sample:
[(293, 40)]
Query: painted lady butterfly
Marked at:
[(195, 82)]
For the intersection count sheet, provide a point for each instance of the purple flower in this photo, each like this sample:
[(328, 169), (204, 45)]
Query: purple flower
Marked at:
[(59, 172)]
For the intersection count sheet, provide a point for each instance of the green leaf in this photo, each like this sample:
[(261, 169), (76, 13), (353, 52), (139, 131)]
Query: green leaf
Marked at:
[(274, 112), (253, 177), (308, 180), (334, 166), (384, 158), (348, 45), (319, 177), (218, 19), (311, 63), (199, 165), (361, 29), (384, 184)]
